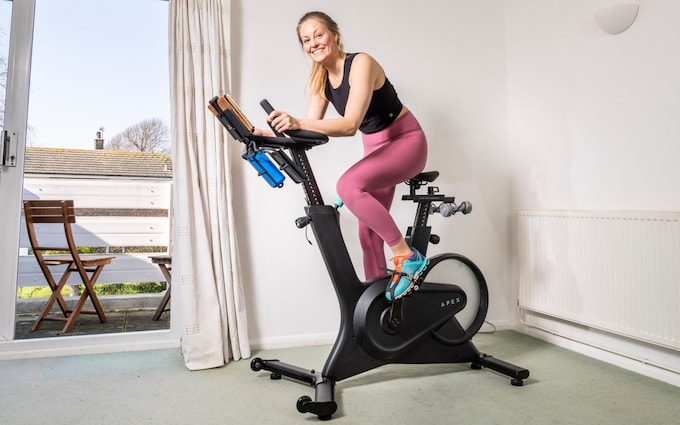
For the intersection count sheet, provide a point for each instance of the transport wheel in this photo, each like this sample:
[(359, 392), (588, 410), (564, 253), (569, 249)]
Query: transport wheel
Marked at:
[(302, 401), (256, 364)]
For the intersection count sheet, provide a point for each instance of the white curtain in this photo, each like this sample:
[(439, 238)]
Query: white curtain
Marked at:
[(206, 270)]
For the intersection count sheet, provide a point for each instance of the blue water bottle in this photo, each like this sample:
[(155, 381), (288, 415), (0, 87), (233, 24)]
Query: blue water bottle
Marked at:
[(266, 168)]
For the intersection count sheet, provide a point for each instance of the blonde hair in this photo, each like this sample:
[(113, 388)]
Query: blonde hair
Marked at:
[(318, 76)]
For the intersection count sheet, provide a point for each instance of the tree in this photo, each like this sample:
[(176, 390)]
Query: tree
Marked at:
[(146, 136)]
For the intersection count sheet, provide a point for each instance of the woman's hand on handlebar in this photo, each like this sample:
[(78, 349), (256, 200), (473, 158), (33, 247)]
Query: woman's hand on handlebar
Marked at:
[(262, 132), (281, 121)]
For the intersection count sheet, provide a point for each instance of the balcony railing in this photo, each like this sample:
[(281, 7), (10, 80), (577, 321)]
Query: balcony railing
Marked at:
[(127, 217)]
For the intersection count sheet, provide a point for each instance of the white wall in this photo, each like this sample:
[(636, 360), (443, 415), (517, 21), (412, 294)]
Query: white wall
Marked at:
[(526, 103), (592, 124), (447, 61), (592, 116)]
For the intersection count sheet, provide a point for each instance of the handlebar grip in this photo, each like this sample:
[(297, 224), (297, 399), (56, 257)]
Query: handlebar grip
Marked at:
[(306, 135), (295, 134), (266, 106), (269, 109)]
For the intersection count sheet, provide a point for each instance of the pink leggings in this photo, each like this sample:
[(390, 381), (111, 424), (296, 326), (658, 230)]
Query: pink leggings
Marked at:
[(391, 156)]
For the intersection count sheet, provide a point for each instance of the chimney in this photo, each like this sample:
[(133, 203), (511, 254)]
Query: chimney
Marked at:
[(99, 141)]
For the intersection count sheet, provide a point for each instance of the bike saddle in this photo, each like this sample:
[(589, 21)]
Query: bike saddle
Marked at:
[(427, 176)]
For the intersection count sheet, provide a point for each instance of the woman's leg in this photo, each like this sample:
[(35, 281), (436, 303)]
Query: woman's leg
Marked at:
[(392, 156), (372, 245)]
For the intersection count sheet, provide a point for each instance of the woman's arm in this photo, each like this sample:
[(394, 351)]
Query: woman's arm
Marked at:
[(317, 107), (366, 75)]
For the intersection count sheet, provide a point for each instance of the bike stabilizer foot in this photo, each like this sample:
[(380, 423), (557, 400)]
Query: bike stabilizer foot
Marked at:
[(323, 405), (516, 373)]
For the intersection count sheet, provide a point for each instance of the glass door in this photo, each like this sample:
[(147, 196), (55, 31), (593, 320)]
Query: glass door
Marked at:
[(16, 32), (98, 134), (97, 71)]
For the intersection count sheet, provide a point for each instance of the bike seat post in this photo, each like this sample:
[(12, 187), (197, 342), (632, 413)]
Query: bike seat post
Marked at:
[(413, 186), (418, 235)]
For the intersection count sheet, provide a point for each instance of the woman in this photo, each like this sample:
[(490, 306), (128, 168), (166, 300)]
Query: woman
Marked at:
[(395, 147)]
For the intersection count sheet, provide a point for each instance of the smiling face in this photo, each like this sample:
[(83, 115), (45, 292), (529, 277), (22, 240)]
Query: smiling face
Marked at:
[(318, 41)]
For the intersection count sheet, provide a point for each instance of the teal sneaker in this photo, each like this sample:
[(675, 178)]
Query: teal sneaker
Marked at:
[(407, 271)]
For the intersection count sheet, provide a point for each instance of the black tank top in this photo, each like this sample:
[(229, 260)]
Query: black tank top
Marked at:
[(383, 109)]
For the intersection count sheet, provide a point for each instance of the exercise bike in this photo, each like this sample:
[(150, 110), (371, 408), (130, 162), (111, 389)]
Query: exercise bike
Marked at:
[(434, 324)]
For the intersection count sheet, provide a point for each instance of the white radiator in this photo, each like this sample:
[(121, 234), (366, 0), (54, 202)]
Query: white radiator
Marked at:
[(611, 270)]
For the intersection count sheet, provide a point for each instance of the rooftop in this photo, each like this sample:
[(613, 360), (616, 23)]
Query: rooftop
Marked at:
[(96, 162)]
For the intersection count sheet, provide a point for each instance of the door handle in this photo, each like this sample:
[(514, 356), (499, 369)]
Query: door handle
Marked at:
[(8, 153)]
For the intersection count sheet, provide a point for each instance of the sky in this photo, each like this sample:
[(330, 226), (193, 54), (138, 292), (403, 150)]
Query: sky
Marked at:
[(96, 64)]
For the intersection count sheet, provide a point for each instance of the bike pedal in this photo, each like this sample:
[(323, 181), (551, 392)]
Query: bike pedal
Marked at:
[(410, 292)]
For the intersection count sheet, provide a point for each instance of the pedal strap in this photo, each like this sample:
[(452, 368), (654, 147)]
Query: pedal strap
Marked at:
[(408, 276)]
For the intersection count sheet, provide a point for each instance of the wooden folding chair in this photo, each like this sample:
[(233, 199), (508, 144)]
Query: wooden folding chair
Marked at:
[(88, 266), (165, 264)]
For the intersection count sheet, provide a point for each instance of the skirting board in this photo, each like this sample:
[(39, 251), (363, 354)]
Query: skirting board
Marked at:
[(310, 340), (648, 360), (291, 341)]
